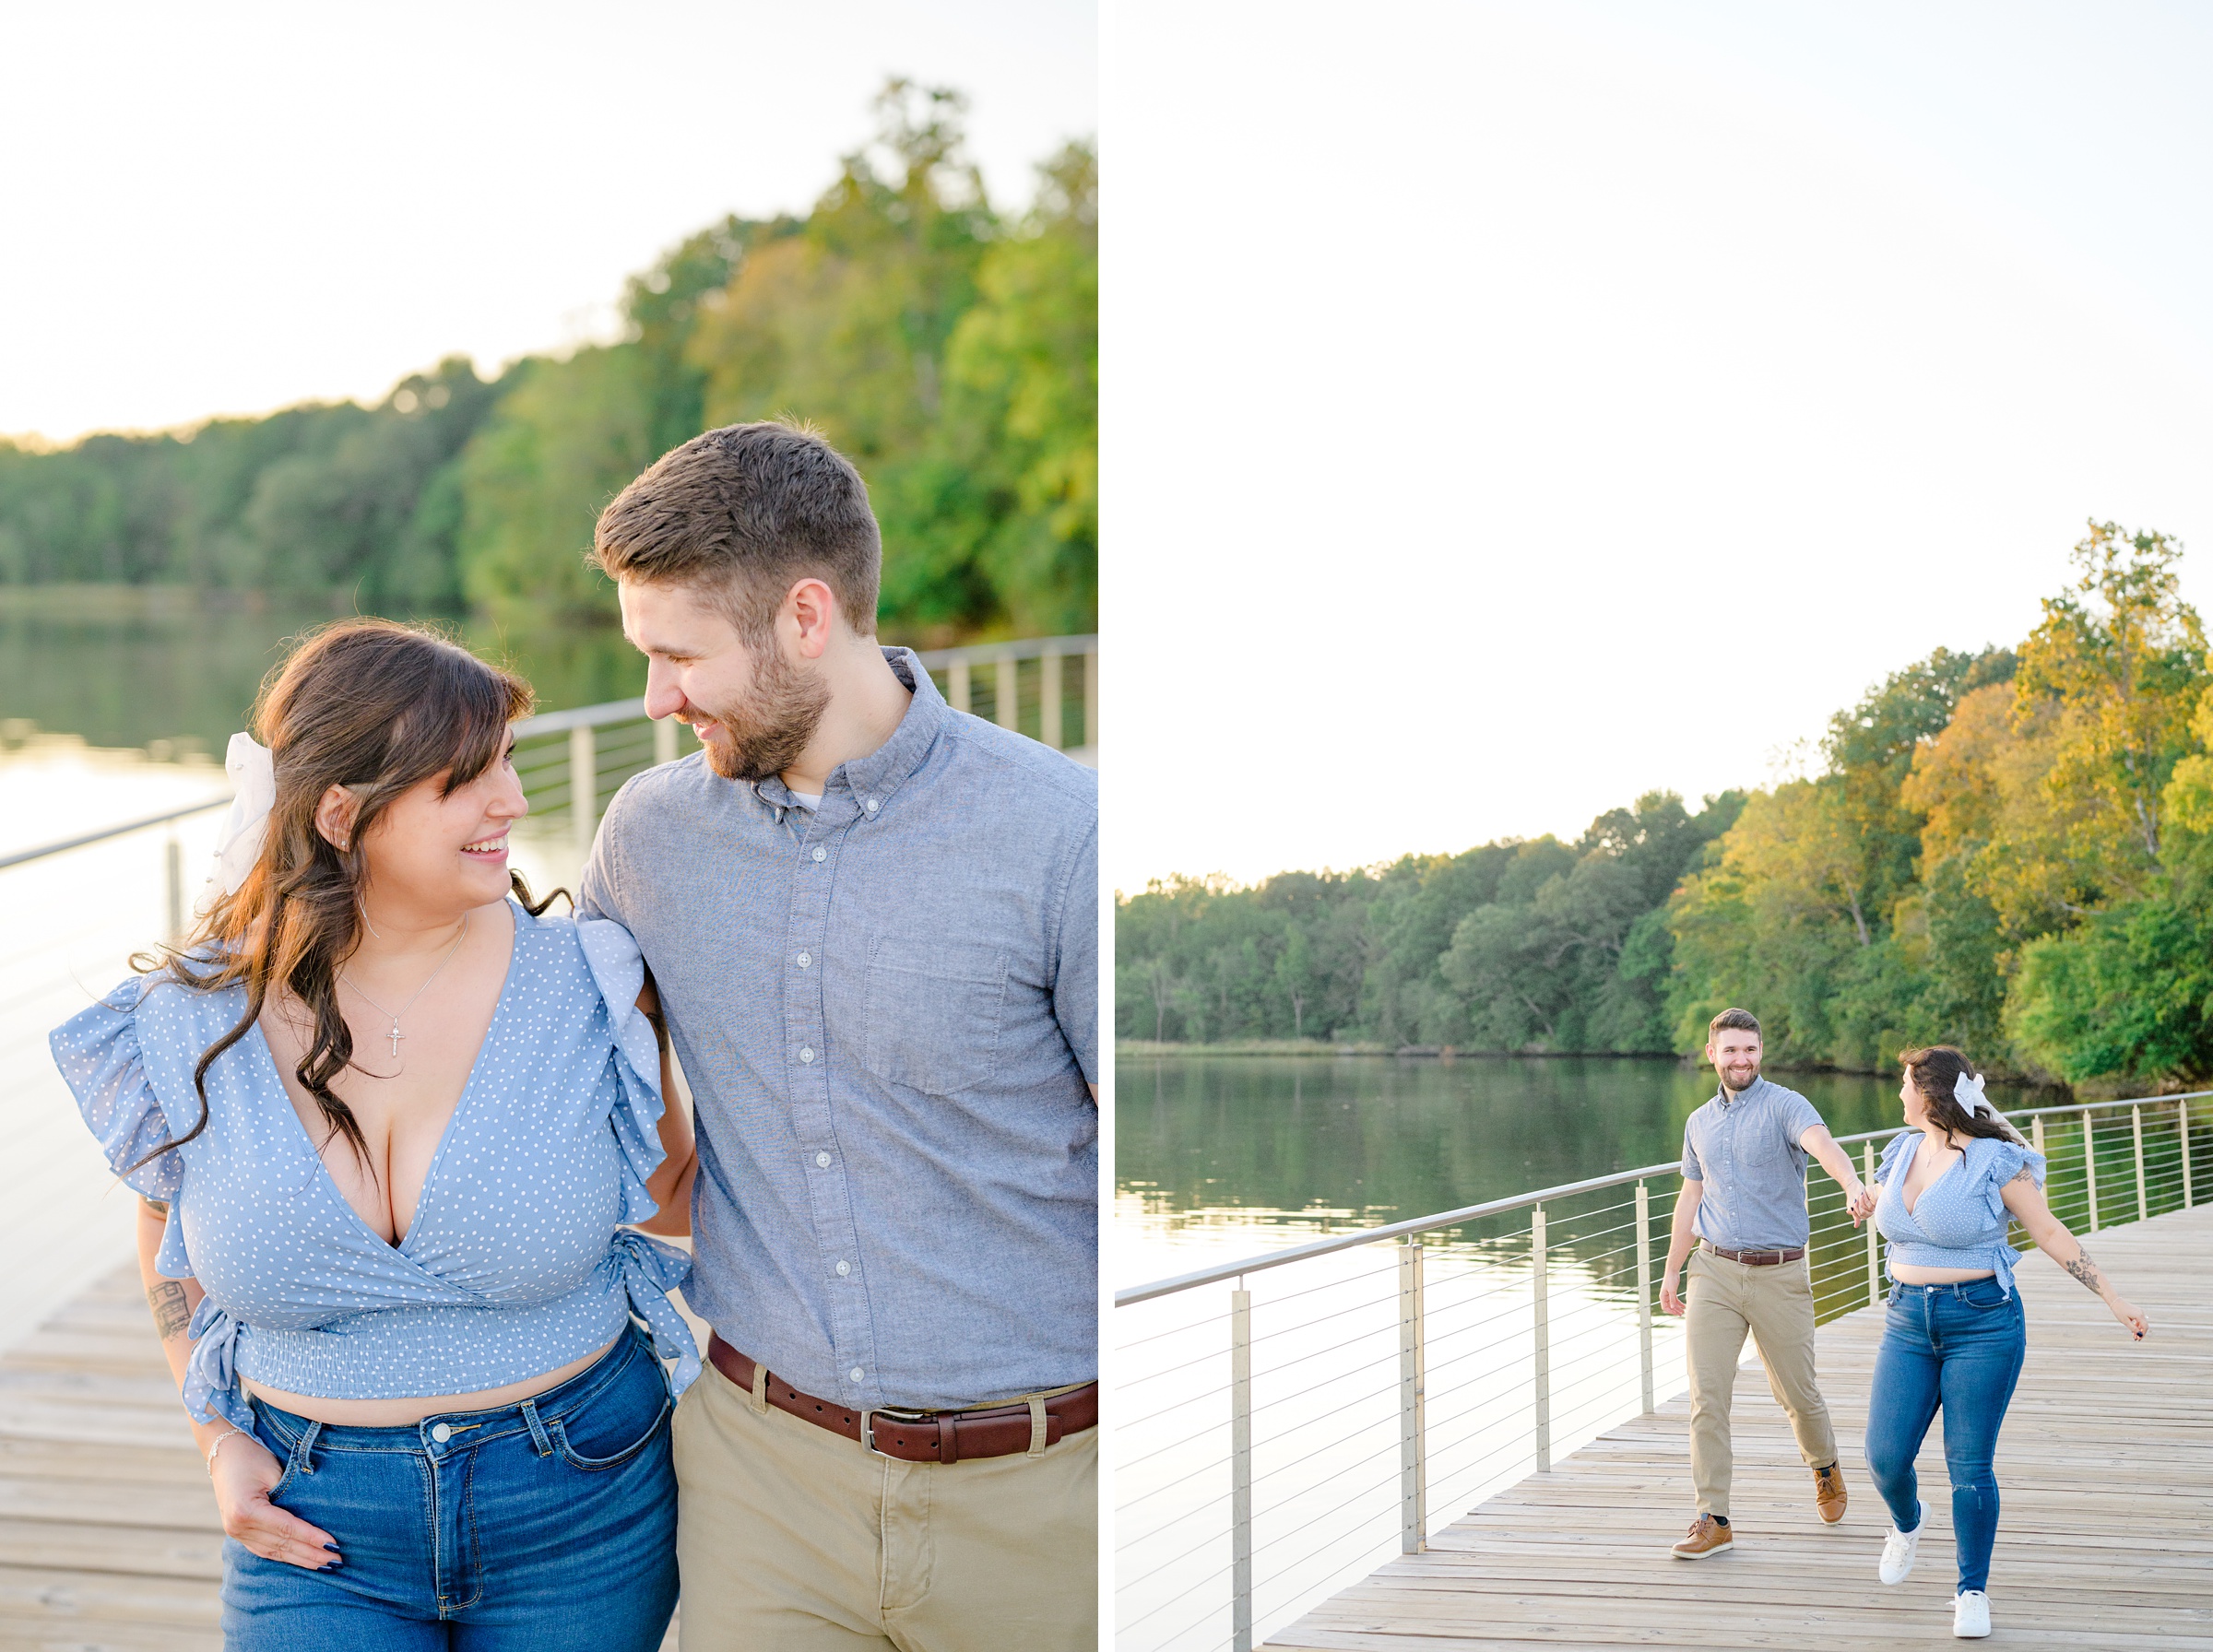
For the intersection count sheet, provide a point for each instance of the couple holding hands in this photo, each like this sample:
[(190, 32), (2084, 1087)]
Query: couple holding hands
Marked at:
[(1955, 1336), (401, 1137)]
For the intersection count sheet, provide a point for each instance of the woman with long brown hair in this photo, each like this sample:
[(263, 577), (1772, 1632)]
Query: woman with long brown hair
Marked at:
[(1954, 1335), (387, 1120)]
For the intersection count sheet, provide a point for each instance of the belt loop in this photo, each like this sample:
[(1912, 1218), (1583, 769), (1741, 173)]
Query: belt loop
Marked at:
[(1037, 1427), (761, 1388), (538, 1437), (949, 1438)]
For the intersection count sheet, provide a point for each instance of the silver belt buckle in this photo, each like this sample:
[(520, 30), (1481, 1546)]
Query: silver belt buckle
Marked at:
[(897, 1414)]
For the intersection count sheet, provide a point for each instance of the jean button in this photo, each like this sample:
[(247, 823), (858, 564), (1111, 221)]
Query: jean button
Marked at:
[(441, 1432)]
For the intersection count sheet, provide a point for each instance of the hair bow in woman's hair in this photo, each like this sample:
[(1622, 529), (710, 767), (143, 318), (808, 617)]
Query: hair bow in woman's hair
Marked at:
[(1967, 1090), (253, 775)]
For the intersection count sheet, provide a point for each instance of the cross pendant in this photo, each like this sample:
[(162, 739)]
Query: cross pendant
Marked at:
[(397, 1035)]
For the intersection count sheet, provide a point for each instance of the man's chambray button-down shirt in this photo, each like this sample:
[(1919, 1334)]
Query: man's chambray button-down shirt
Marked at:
[(1746, 1153), (887, 1007)]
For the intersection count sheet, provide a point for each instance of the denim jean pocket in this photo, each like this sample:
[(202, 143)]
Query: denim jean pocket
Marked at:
[(618, 1422)]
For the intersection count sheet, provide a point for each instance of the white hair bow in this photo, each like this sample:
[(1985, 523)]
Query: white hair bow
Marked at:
[(1967, 1090), (253, 775)]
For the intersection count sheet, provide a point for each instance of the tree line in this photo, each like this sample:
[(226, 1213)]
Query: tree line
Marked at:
[(951, 349), (2010, 850)]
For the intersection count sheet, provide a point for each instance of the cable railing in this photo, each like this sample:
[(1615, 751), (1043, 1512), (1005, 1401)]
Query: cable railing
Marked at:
[(1279, 1439)]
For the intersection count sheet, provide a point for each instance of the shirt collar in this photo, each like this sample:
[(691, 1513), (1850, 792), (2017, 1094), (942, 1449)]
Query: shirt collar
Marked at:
[(884, 770), (1720, 1091)]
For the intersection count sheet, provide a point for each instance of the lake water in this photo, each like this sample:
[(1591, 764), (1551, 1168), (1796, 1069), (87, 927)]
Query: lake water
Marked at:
[(1221, 1158), (173, 670)]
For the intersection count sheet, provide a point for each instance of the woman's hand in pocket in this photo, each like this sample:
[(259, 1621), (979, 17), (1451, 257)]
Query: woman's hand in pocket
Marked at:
[(245, 1473)]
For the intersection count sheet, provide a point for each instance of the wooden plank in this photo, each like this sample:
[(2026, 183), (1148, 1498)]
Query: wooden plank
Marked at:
[(2106, 1467)]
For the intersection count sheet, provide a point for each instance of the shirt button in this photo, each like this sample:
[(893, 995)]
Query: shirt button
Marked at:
[(871, 806), (844, 1269), (441, 1432), (822, 1161), (806, 1053), (819, 852), (855, 1374), (806, 959)]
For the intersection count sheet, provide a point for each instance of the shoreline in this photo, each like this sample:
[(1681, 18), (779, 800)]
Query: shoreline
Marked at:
[(1146, 1049)]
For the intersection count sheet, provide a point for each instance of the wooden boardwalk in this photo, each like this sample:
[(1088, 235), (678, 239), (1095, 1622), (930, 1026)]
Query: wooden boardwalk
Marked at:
[(109, 1537), (2106, 1540)]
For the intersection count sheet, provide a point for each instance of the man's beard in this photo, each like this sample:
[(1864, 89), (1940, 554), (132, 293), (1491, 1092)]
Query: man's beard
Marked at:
[(1738, 1082), (764, 734)]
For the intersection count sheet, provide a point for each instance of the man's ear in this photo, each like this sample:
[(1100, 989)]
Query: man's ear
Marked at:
[(810, 608), (334, 817)]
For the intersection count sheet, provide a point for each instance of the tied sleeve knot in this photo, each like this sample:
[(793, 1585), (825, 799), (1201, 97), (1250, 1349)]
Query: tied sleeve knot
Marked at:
[(650, 1270), (211, 1385)]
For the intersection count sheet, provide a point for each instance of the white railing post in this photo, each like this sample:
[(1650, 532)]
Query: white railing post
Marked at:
[(957, 694), (664, 742), (1541, 1295), (1241, 1468), (2090, 1164), (1414, 1458), (1644, 1294), (583, 786), (1048, 697), (2136, 1126), (2036, 1132), (1003, 696), (1875, 1257), (173, 861), (1091, 698), (2182, 1119)]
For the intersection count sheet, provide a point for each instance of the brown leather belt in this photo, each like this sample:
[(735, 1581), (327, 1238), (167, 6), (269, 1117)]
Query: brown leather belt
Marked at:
[(1755, 1258), (920, 1436)]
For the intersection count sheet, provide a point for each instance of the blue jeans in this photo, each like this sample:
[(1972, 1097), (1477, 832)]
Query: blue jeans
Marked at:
[(1960, 1347), (548, 1526)]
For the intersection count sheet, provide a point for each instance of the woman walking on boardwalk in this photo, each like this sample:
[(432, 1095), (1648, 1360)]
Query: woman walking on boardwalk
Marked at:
[(1955, 1336), (385, 1120)]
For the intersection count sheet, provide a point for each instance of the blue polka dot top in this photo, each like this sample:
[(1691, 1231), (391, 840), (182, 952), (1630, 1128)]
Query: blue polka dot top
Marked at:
[(516, 1261)]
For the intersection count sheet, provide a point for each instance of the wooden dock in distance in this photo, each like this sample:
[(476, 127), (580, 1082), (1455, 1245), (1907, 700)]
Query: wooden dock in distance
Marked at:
[(2105, 1468), (109, 1537)]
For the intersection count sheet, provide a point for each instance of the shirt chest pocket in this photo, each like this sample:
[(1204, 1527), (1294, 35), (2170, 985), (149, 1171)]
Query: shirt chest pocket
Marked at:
[(932, 1014)]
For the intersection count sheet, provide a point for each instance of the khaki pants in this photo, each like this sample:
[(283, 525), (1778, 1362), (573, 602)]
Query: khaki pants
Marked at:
[(792, 1538), (1776, 1305)]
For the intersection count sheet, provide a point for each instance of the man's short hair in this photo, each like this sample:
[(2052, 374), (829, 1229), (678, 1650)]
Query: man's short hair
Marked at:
[(1741, 1021), (744, 513)]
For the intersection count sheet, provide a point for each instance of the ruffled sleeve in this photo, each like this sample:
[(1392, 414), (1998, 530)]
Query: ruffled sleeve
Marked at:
[(98, 1052), (1890, 1153), (619, 970), (2003, 1161)]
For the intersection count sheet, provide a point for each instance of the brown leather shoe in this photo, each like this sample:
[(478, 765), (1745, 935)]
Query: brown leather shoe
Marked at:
[(1828, 1493), (1707, 1536)]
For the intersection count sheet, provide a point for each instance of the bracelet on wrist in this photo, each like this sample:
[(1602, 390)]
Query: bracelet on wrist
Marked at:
[(216, 1450)]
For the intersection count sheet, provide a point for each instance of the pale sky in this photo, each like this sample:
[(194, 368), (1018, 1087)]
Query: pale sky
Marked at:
[(228, 208), (1513, 407)]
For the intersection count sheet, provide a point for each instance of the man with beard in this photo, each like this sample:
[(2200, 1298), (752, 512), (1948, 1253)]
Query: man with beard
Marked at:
[(1744, 1206), (873, 922)]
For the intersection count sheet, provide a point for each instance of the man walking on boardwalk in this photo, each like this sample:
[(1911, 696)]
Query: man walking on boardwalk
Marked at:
[(1742, 1206)]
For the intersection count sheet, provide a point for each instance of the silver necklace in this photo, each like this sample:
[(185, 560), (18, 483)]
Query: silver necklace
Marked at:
[(396, 1034)]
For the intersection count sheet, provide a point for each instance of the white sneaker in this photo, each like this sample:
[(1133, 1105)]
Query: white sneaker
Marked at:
[(1900, 1550), (1970, 1615)]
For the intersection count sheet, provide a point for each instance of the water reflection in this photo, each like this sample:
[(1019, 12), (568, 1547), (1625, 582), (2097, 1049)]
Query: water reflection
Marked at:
[(137, 668)]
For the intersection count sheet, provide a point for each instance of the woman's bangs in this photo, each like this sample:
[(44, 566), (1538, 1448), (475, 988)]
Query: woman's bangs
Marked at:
[(464, 717)]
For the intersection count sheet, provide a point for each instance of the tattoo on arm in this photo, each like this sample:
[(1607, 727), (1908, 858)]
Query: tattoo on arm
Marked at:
[(171, 1312), (2023, 1175), (2083, 1269)]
